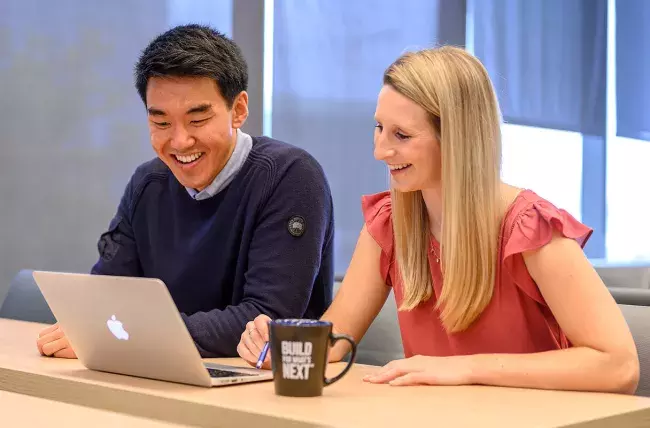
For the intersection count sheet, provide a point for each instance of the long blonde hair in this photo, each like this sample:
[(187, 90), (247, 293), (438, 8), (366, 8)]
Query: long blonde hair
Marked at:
[(455, 89)]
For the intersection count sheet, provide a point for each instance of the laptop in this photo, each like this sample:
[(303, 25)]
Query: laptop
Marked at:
[(131, 326)]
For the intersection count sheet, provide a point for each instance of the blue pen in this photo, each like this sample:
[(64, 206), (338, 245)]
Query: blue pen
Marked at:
[(262, 357)]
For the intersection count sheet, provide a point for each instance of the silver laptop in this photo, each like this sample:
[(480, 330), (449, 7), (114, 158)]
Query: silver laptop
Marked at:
[(131, 326)]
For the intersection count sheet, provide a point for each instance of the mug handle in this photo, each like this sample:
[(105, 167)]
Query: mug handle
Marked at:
[(333, 339)]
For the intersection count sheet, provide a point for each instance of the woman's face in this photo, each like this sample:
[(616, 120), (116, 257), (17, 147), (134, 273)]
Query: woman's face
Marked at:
[(406, 141)]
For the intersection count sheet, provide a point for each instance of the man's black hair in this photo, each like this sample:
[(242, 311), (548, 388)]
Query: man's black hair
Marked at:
[(194, 51)]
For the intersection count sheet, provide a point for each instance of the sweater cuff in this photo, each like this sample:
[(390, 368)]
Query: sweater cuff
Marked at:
[(192, 327)]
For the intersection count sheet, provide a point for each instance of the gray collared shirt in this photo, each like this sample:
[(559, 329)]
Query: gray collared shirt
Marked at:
[(243, 147)]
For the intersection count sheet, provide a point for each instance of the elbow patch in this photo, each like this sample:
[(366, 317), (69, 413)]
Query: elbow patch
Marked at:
[(110, 241)]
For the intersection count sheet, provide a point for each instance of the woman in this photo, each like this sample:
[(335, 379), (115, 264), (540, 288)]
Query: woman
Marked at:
[(491, 281)]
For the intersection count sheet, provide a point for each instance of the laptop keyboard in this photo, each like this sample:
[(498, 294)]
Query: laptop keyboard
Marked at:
[(225, 373)]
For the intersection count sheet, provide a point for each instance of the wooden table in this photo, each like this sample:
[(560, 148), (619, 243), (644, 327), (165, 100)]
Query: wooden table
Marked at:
[(17, 410), (348, 403)]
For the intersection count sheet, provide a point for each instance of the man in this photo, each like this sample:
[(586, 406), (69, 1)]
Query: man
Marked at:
[(235, 225)]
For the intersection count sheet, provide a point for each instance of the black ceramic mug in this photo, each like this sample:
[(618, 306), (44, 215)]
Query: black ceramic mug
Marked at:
[(299, 350)]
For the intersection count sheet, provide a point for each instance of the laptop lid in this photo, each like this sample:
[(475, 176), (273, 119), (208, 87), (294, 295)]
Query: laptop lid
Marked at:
[(123, 325)]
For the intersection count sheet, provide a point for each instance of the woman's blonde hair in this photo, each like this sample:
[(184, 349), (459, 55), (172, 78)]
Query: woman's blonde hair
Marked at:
[(455, 89)]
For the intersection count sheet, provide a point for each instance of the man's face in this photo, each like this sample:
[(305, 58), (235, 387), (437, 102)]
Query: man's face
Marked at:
[(192, 129)]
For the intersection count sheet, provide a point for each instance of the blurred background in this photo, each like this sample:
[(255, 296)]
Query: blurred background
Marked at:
[(572, 76)]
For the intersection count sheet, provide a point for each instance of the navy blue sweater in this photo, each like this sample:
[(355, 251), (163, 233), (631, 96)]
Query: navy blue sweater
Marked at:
[(236, 255)]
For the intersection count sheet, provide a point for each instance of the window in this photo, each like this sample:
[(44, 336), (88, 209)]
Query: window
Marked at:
[(533, 156), (628, 201), (547, 61), (556, 77), (328, 61), (628, 145)]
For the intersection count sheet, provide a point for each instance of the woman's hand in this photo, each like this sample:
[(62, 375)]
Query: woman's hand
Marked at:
[(420, 370)]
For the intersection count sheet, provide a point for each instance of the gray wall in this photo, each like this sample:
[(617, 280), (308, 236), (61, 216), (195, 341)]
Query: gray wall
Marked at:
[(72, 128)]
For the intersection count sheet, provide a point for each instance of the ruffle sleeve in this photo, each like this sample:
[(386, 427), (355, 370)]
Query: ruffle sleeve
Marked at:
[(377, 216), (533, 228)]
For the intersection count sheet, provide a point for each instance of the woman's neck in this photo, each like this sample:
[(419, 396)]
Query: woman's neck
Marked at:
[(433, 201)]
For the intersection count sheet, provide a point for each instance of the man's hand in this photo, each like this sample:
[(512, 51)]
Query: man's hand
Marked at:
[(52, 342), (253, 340)]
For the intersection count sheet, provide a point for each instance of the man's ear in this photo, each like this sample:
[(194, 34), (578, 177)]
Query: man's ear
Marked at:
[(240, 110)]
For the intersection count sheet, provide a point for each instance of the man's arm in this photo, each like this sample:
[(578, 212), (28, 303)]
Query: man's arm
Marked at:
[(118, 254), (282, 266)]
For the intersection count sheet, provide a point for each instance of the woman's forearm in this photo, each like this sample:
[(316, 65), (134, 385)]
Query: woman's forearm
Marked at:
[(339, 350), (579, 369)]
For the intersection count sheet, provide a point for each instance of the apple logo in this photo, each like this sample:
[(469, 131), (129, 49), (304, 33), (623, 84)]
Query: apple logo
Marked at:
[(117, 328)]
